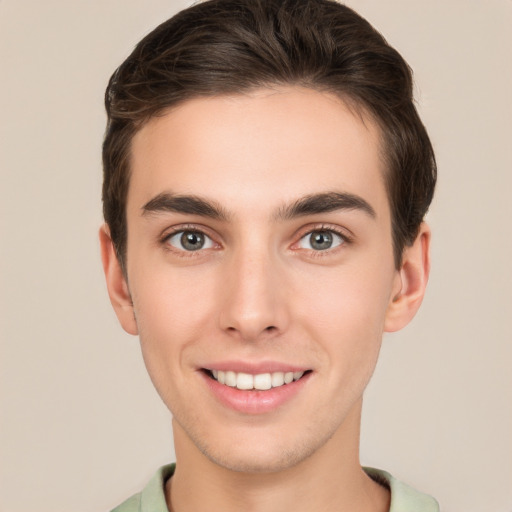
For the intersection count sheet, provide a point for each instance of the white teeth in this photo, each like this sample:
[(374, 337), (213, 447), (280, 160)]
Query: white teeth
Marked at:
[(231, 379), (277, 379), (261, 381), (244, 381)]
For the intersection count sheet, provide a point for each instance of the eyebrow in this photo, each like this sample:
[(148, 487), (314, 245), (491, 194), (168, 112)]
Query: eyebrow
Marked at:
[(309, 205), (193, 205), (324, 203)]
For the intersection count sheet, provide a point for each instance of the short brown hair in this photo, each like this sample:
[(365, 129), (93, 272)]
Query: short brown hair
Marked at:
[(223, 47)]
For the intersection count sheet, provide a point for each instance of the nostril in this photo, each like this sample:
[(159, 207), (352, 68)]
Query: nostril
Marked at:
[(248, 332)]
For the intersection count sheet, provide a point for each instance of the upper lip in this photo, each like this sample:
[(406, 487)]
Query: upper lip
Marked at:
[(255, 368)]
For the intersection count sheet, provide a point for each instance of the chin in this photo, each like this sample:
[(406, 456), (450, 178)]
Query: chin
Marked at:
[(255, 456), (257, 462)]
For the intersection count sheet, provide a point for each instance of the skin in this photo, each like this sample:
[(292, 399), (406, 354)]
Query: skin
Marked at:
[(259, 291)]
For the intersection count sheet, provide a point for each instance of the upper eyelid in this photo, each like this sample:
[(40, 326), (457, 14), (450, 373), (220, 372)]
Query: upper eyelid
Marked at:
[(345, 233), (164, 240), (170, 232), (195, 228), (300, 233)]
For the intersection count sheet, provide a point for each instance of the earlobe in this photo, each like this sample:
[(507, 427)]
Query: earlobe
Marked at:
[(117, 285), (411, 282)]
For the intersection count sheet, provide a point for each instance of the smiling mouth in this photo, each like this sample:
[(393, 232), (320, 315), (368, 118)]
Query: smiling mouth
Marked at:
[(258, 382)]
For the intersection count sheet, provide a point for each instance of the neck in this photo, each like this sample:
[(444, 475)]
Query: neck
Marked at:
[(329, 480)]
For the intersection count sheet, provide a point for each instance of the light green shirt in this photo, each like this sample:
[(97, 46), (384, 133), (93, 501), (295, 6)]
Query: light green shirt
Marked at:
[(403, 497)]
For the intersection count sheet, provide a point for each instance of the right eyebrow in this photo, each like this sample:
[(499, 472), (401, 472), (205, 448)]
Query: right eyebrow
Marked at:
[(187, 204), (325, 202)]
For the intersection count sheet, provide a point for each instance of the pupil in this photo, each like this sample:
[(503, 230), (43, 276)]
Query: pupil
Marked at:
[(321, 240), (192, 241)]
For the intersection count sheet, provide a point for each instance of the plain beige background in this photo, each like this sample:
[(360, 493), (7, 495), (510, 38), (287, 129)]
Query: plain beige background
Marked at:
[(81, 427)]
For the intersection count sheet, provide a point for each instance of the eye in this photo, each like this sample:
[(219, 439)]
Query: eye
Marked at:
[(321, 240), (190, 241)]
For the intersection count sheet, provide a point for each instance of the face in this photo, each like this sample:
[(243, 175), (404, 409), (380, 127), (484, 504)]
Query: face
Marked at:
[(260, 266)]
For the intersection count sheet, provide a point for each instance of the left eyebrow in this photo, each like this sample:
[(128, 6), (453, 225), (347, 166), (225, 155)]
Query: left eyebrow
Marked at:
[(324, 203), (192, 205)]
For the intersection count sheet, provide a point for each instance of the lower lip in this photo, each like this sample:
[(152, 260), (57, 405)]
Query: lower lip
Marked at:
[(255, 401)]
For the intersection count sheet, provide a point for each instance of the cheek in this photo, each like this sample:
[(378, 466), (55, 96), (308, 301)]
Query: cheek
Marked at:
[(347, 312), (172, 300), (172, 308), (170, 315)]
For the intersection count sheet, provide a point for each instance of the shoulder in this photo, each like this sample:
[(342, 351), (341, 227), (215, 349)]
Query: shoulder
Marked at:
[(152, 497), (130, 505), (403, 497)]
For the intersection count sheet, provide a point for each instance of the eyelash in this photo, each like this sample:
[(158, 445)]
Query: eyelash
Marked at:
[(164, 240), (346, 239), (307, 231)]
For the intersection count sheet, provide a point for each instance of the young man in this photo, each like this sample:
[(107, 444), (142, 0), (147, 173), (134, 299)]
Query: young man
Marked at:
[(266, 179)]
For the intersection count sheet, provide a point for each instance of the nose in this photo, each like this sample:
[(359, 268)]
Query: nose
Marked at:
[(253, 306)]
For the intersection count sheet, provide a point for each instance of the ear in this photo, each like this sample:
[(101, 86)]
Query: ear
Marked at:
[(116, 283), (410, 282)]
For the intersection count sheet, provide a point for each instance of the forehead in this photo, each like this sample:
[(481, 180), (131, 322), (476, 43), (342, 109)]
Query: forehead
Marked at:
[(258, 149)]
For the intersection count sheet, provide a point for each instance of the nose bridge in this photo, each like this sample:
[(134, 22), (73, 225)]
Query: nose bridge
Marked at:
[(252, 305)]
